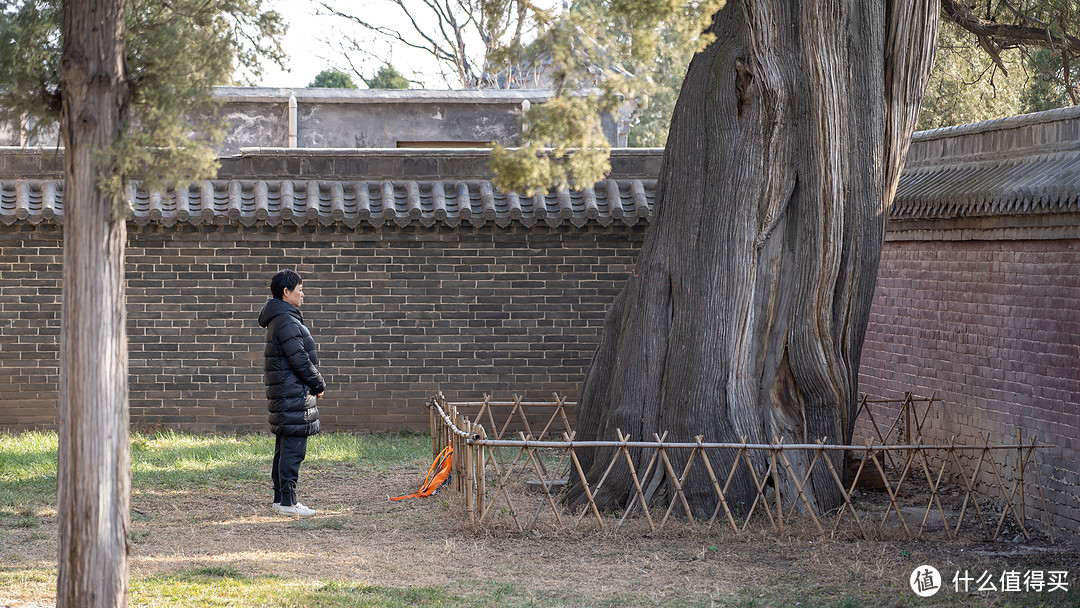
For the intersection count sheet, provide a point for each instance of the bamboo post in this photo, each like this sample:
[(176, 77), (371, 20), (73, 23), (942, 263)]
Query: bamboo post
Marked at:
[(455, 483), (677, 482), (892, 496), (933, 494), (873, 420), (470, 483), (481, 486), (970, 495), (1008, 498), (551, 420), (1020, 472), (805, 479), (599, 484), (562, 413), (459, 423), (907, 418), (894, 427), (503, 478), (1009, 506), (644, 476), (760, 487), (776, 486), (545, 484), (434, 428), (584, 485), (484, 408), (716, 485), (1042, 496), (926, 412), (491, 416), (847, 498), (637, 484), (799, 489)]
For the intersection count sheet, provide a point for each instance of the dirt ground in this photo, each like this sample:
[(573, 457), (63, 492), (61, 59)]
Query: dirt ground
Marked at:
[(359, 535)]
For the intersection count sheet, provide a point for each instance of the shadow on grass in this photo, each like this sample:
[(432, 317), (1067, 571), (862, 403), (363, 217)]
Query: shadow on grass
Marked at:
[(174, 461), (227, 586)]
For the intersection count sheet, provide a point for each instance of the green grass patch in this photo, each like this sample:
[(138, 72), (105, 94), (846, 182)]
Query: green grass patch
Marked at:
[(176, 461), (27, 473), (173, 460), (227, 586), (377, 452), (15, 577)]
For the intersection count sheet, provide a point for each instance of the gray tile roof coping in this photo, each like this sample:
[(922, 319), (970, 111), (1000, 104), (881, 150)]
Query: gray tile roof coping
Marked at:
[(357, 96), (251, 152), (999, 124), (1019, 166), (376, 203)]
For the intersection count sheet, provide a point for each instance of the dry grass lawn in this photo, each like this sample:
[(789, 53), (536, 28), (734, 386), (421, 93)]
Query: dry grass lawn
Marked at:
[(359, 536)]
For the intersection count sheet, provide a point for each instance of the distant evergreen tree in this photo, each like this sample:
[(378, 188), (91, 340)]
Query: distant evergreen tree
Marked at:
[(332, 79), (1045, 90), (967, 85), (387, 78)]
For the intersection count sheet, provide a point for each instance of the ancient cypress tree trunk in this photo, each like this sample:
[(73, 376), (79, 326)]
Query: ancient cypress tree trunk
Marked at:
[(93, 478), (745, 314)]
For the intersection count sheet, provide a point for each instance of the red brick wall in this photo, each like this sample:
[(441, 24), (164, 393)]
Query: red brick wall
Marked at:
[(993, 329)]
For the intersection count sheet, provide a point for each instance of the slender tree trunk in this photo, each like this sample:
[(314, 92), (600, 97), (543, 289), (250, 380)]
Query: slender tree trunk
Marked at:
[(94, 480), (745, 314)]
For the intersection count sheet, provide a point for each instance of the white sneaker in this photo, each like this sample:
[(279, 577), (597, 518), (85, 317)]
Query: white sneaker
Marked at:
[(297, 510), (275, 506)]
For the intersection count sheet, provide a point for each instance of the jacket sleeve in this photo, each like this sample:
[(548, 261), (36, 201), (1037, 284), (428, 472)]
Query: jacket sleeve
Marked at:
[(291, 339)]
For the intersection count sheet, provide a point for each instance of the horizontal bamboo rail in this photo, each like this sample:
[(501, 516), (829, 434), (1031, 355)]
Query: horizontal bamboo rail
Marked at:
[(477, 455)]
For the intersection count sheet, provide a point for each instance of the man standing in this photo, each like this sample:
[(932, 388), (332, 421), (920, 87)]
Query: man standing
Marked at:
[(293, 385)]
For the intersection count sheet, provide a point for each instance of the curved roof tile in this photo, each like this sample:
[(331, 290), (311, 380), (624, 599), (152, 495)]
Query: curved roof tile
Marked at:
[(1020, 185), (1010, 185), (378, 203)]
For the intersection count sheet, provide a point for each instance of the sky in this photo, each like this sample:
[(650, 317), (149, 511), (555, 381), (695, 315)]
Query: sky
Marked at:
[(305, 44), (312, 45)]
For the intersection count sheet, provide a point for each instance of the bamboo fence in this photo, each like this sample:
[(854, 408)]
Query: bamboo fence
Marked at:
[(515, 476)]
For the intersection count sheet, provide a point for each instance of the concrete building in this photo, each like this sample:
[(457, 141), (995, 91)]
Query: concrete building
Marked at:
[(367, 118)]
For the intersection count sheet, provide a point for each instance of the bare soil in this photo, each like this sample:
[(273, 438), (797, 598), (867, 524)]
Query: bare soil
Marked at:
[(359, 535)]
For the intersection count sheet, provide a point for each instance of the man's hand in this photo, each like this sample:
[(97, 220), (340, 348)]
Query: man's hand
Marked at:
[(319, 396)]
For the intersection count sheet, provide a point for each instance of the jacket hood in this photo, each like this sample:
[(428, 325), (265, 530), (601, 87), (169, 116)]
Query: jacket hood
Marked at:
[(274, 307)]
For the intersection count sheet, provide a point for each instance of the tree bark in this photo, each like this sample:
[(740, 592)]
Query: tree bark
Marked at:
[(745, 314), (93, 479)]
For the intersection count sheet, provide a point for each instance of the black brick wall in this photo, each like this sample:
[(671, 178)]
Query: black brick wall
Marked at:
[(397, 313)]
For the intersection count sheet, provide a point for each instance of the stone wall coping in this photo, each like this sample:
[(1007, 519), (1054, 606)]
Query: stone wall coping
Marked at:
[(367, 96), (249, 152), (998, 124), (328, 202), (1022, 166)]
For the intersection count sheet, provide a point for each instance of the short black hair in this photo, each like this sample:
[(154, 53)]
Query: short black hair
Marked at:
[(284, 279)]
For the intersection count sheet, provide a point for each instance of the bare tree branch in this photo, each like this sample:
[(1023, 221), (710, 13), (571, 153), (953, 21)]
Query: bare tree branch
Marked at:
[(1022, 15), (448, 31), (1006, 35), (993, 36), (437, 51), (1068, 79)]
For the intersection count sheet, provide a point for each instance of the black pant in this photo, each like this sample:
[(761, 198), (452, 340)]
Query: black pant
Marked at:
[(289, 452)]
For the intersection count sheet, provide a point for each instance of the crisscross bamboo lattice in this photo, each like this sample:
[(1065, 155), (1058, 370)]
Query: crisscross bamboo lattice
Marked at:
[(920, 482)]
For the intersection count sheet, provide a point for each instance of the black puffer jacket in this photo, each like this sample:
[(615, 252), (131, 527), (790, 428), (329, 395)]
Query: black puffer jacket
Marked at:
[(291, 375)]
